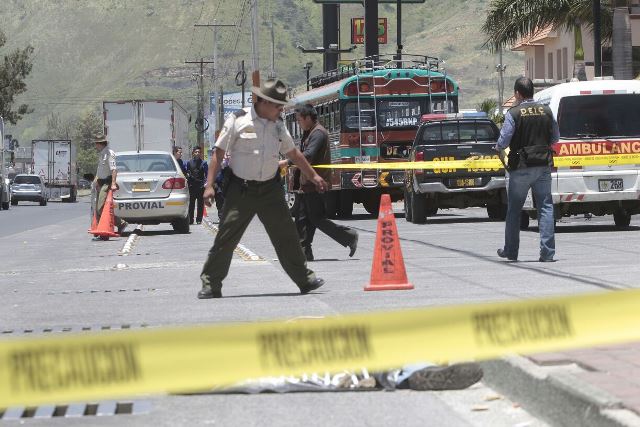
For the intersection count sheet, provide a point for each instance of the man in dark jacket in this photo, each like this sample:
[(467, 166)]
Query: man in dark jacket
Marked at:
[(529, 130), (311, 212), (197, 177)]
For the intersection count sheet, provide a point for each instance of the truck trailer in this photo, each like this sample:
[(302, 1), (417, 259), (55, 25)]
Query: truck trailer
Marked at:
[(55, 161), (136, 125)]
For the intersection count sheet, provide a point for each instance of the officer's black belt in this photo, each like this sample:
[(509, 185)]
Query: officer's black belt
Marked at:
[(250, 183)]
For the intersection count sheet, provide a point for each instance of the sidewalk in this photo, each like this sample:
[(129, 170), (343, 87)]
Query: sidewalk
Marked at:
[(600, 386)]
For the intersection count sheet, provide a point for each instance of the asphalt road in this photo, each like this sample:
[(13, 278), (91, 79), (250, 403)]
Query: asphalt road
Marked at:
[(30, 215), (54, 276)]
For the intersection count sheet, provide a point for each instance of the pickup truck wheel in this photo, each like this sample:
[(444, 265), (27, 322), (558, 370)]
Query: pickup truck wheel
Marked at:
[(345, 204), (14, 202), (181, 226), (43, 202), (418, 208), (524, 221), (498, 212), (407, 206), (621, 219), (372, 205)]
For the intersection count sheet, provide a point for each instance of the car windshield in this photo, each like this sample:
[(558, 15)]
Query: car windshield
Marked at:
[(398, 114), (587, 116), (25, 179), (458, 132), (144, 163)]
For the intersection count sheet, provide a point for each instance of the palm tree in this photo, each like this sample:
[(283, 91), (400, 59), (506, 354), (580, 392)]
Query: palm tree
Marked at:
[(510, 20)]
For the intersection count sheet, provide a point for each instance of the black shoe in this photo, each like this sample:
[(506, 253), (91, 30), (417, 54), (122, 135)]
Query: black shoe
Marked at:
[(198, 222), (546, 259), (308, 253), (502, 254), (208, 293), (454, 377), (312, 286), (353, 246)]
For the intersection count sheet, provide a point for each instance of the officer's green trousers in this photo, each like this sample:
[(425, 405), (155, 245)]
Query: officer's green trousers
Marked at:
[(241, 204)]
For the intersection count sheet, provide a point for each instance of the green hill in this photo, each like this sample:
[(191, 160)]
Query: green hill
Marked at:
[(87, 51)]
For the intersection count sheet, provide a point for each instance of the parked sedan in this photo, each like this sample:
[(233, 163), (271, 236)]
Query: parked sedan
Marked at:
[(151, 190), (28, 188)]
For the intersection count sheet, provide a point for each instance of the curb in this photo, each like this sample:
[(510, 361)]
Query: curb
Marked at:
[(556, 396), (242, 251)]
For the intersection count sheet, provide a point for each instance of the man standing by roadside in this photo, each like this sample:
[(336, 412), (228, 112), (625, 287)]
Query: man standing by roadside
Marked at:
[(254, 137), (177, 153), (311, 211), (106, 178), (197, 170), (529, 130)]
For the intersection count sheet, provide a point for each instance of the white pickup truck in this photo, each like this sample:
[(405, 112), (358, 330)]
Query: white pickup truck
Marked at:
[(599, 121)]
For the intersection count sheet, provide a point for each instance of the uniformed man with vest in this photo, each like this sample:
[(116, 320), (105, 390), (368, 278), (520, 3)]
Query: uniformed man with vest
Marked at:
[(529, 130), (196, 177), (105, 180), (254, 138), (311, 212)]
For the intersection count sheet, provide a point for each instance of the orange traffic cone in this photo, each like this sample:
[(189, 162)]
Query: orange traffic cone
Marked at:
[(106, 224), (387, 271), (94, 224)]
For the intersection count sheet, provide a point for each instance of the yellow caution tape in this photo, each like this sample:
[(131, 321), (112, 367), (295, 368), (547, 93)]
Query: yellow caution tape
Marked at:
[(480, 165), (114, 364)]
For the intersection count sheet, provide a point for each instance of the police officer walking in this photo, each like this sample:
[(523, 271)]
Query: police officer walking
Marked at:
[(529, 130), (196, 176), (311, 213), (254, 137)]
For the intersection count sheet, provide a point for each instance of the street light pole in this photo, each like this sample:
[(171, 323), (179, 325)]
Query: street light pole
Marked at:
[(597, 40), (307, 67)]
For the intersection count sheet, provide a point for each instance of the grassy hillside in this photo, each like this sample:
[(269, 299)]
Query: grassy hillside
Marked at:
[(87, 51)]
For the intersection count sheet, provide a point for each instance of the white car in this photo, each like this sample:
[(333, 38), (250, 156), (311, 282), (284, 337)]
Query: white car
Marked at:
[(28, 188), (151, 190)]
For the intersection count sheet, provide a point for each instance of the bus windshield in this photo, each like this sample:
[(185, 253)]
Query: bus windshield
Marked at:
[(398, 113), (588, 116)]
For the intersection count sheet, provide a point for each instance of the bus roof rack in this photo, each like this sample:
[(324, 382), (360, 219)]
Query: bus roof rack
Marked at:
[(370, 64)]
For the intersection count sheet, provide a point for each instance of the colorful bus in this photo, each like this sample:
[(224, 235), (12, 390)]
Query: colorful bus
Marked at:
[(372, 114)]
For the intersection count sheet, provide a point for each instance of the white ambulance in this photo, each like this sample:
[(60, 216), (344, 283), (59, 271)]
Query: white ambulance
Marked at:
[(600, 122)]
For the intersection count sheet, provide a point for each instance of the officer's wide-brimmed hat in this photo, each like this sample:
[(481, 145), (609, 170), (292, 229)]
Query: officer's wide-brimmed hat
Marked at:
[(100, 139), (272, 90)]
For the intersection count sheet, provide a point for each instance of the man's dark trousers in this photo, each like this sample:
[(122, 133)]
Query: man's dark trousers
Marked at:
[(196, 193), (240, 206), (312, 215)]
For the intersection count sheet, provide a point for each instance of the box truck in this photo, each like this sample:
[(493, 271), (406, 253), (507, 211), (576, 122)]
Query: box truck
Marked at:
[(145, 125)]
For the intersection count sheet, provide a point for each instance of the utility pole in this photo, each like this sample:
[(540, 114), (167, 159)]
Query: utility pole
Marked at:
[(201, 126), (597, 40), (399, 32), (500, 68), (255, 75), (215, 25)]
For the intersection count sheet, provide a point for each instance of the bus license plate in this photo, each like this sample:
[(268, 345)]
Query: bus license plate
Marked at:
[(140, 187), (610, 184)]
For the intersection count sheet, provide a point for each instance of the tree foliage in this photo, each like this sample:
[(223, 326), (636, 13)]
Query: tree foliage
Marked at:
[(81, 130), (510, 20), (14, 69)]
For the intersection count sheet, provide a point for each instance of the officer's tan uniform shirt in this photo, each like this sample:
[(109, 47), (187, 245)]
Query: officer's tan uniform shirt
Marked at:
[(106, 163), (253, 145)]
